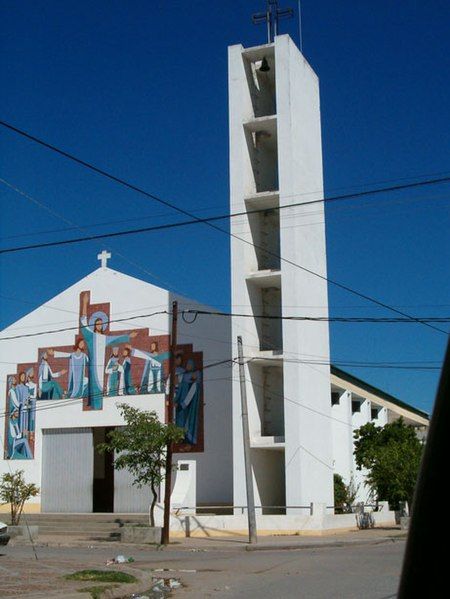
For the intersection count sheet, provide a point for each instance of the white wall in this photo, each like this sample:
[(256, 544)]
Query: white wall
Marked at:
[(308, 452), (307, 388), (211, 334), (342, 435)]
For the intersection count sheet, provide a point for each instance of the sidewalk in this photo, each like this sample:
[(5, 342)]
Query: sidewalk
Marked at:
[(275, 542)]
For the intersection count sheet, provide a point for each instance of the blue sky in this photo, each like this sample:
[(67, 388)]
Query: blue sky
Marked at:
[(140, 89)]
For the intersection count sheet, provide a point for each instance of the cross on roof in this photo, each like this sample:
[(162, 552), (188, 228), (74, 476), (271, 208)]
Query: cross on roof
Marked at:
[(104, 257)]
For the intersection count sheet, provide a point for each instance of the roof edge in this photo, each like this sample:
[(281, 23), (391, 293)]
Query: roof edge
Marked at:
[(372, 389)]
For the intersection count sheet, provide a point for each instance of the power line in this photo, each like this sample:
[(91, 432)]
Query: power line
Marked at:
[(195, 220), (348, 364), (195, 313), (209, 209), (68, 401), (209, 222), (76, 328), (156, 198), (357, 319), (83, 230)]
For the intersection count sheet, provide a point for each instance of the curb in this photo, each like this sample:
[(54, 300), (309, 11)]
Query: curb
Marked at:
[(291, 547)]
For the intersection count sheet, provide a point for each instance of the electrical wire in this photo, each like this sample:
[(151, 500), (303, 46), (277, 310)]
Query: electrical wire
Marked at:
[(209, 223), (195, 313), (195, 220)]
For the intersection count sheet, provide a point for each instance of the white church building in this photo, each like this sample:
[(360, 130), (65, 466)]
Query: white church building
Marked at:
[(55, 415), (105, 341)]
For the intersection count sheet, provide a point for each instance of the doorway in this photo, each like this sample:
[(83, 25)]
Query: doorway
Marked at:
[(103, 488)]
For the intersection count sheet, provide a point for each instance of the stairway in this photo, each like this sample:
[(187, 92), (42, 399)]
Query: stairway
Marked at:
[(94, 527)]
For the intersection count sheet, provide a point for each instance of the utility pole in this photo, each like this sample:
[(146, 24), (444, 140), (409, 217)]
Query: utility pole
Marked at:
[(252, 533), (169, 407)]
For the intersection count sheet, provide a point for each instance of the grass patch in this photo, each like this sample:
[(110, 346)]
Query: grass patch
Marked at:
[(101, 576), (97, 592)]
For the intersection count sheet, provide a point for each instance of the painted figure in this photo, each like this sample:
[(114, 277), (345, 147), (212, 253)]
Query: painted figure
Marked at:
[(78, 363), (48, 388), (152, 377), (32, 397), (97, 342), (187, 402), (113, 370), (18, 446), (126, 386)]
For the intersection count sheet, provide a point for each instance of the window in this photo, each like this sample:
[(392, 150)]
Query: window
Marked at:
[(335, 397), (356, 406)]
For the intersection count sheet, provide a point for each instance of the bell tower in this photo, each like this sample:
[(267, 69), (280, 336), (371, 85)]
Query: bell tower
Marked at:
[(277, 252)]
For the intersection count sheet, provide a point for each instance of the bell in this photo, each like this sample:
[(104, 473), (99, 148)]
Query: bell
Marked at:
[(264, 65)]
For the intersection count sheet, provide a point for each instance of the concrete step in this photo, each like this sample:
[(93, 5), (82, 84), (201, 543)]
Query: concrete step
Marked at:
[(110, 517), (80, 534), (75, 523)]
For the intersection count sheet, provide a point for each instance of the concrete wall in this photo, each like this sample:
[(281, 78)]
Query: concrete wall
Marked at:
[(210, 526), (308, 428), (342, 436), (212, 335)]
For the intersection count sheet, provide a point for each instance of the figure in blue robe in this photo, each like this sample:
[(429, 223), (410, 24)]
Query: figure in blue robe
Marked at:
[(78, 364), (18, 445), (187, 402), (97, 342), (152, 377), (48, 387), (32, 397), (113, 370), (126, 386)]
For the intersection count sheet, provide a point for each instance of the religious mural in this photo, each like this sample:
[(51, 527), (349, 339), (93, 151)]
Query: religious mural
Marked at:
[(100, 365)]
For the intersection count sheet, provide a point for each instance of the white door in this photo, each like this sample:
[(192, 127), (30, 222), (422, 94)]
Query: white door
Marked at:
[(129, 499), (67, 470)]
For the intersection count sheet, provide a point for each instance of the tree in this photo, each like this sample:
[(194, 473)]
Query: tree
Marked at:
[(15, 491), (344, 495), (392, 455), (141, 448)]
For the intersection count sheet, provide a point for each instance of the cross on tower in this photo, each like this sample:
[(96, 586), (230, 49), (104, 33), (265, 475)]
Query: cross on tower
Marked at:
[(272, 15), (104, 257)]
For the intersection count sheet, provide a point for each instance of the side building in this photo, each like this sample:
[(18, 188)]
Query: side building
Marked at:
[(353, 404)]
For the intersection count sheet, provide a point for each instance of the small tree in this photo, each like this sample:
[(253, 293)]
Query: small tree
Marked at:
[(344, 495), (15, 491), (141, 447), (392, 455)]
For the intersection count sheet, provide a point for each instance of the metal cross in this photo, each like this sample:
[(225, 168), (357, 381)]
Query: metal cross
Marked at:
[(271, 17), (104, 257)]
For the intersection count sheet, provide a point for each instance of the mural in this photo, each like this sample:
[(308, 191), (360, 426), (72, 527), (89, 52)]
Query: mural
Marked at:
[(100, 365)]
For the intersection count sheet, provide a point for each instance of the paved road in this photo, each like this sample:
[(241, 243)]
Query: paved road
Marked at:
[(228, 572)]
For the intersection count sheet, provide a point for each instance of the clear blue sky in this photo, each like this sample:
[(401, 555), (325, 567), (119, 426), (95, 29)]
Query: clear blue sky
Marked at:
[(140, 89)]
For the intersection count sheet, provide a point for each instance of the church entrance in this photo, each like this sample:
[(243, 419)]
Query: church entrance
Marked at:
[(77, 478), (103, 487)]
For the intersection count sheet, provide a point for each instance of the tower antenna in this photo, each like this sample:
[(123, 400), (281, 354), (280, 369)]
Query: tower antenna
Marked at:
[(300, 34)]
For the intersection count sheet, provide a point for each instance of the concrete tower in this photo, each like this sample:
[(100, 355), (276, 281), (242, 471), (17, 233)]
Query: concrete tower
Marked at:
[(275, 161)]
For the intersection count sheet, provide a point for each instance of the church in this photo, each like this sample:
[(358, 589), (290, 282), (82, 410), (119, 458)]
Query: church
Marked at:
[(102, 342), (105, 341)]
